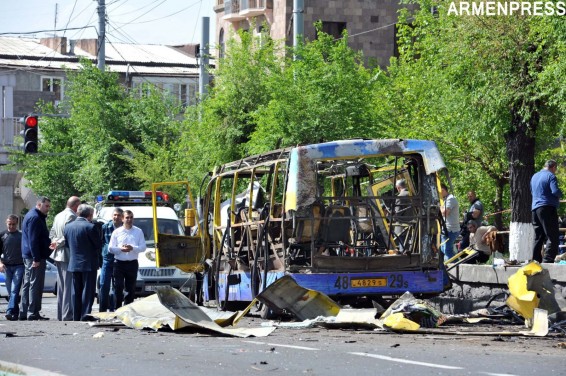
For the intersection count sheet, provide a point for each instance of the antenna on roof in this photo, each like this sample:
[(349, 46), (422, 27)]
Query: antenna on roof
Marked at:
[(55, 24)]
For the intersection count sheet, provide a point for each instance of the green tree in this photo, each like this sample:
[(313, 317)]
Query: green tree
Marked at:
[(156, 118), (506, 73), (219, 128), (102, 138), (321, 96)]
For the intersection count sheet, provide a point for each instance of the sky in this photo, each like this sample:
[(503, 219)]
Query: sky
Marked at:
[(169, 22)]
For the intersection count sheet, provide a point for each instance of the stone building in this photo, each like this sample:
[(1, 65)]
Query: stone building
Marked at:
[(370, 23)]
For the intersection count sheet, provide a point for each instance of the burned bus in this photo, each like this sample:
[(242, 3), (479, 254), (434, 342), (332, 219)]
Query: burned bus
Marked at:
[(328, 215)]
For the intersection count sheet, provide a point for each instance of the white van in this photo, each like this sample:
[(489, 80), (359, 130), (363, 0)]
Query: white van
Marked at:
[(149, 275)]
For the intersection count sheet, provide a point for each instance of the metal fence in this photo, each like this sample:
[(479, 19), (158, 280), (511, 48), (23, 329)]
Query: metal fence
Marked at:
[(10, 129)]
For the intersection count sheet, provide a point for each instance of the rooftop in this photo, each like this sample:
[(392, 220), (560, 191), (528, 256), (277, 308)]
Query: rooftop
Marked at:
[(57, 53)]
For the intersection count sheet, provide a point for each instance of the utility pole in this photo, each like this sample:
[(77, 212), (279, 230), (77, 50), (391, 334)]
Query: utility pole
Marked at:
[(204, 53), (101, 34), (298, 24)]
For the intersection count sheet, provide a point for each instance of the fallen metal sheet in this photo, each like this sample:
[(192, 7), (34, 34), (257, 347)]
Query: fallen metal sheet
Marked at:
[(352, 318), (346, 318), (151, 313), (540, 324), (190, 313), (305, 304), (146, 313), (530, 288)]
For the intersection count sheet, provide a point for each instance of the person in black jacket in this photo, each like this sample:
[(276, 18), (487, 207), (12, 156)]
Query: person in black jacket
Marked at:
[(12, 264), (84, 241), (35, 251)]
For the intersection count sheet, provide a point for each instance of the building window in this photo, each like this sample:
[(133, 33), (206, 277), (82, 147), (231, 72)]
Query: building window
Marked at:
[(334, 29), (53, 85), (182, 90), (221, 44)]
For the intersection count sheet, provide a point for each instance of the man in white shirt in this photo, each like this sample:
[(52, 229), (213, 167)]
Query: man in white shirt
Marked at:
[(126, 243), (452, 221)]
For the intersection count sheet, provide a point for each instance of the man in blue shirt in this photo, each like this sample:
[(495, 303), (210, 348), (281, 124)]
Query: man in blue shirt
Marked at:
[(546, 198)]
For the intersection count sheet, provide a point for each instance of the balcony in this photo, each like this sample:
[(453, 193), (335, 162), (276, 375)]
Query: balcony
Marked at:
[(232, 11), (10, 139), (253, 8)]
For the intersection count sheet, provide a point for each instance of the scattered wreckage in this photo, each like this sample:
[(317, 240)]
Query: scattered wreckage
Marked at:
[(531, 304)]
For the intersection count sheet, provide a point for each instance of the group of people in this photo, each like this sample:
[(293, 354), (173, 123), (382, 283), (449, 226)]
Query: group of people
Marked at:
[(75, 244), (546, 195), (473, 233)]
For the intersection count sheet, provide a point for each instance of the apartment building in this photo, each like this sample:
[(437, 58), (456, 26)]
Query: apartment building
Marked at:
[(370, 23)]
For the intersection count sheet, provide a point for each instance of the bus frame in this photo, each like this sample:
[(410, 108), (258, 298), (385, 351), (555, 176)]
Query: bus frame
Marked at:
[(325, 214)]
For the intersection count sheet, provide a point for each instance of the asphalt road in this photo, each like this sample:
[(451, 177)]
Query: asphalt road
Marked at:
[(70, 348)]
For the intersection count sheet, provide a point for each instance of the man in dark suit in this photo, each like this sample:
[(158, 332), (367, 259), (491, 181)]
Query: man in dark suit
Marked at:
[(84, 241)]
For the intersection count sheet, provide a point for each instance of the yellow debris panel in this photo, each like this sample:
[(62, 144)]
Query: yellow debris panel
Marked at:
[(304, 303), (397, 321), (522, 300)]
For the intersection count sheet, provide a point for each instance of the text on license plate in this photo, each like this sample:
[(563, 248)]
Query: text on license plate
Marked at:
[(151, 288), (368, 282)]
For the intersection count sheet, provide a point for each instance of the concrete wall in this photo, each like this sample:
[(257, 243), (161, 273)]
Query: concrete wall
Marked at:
[(474, 285)]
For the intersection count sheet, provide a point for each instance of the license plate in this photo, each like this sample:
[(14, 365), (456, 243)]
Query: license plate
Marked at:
[(151, 288), (368, 282)]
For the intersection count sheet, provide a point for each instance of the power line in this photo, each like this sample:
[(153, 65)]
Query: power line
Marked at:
[(160, 18), (88, 23), (196, 23), (145, 6), (44, 31), (372, 30), (70, 16), (114, 2)]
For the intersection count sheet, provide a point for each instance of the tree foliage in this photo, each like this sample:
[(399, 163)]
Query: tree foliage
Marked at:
[(486, 88), (320, 96), (100, 138), (264, 99)]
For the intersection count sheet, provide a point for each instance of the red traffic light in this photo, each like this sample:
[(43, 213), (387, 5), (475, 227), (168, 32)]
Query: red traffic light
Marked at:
[(31, 140), (31, 121)]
